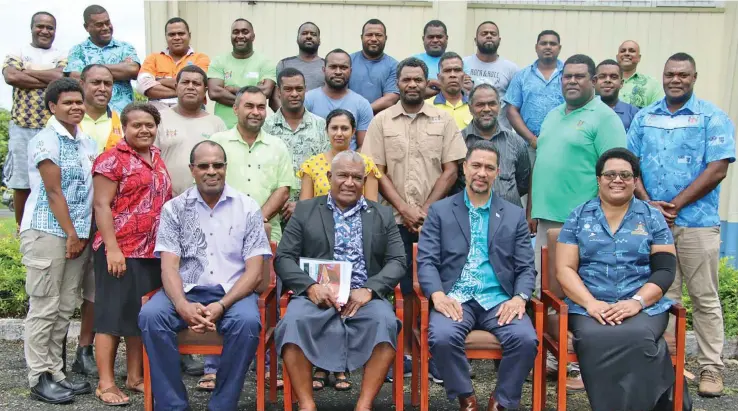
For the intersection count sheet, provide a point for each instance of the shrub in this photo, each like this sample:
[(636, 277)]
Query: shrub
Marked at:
[(728, 290), (4, 120), (13, 298)]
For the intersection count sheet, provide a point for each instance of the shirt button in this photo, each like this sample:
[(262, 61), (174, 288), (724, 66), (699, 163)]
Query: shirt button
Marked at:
[(248, 179), (211, 273), (249, 165), (211, 233)]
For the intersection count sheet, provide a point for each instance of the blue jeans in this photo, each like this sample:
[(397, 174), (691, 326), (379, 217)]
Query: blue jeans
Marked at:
[(239, 326)]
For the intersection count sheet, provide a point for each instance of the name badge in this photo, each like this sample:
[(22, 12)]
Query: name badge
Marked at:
[(684, 160), (252, 74)]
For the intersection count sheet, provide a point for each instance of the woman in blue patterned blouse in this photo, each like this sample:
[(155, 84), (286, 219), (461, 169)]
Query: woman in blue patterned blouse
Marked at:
[(615, 260)]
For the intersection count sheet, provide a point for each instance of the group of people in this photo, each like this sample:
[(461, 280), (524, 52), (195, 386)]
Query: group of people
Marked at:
[(362, 158)]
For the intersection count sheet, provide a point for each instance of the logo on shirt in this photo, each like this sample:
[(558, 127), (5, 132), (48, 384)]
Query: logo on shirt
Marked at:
[(171, 133), (639, 230), (227, 75), (693, 120), (580, 124), (436, 119)]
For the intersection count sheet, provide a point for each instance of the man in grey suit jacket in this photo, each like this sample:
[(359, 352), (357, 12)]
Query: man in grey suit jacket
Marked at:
[(317, 330), (475, 262)]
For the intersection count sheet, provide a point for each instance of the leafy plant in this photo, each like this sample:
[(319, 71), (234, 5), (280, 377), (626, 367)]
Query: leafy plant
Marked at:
[(4, 120), (13, 298), (728, 291)]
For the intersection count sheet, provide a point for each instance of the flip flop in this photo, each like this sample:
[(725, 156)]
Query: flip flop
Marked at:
[(134, 387), (110, 390), (322, 380), (342, 380), (205, 379), (280, 381)]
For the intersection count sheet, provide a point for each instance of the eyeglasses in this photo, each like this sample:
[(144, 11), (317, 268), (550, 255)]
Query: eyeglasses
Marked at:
[(206, 166), (624, 175)]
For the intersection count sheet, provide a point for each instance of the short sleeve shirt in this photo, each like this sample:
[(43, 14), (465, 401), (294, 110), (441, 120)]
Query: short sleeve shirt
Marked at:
[(259, 170), (307, 141), (614, 266), (413, 149), (641, 90), (626, 112), (115, 52), (431, 62), (162, 65), (318, 103), (460, 111), (498, 73), (568, 149), (675, 148), (29, 109), (311, 70), (239, 73), (74, 155), (373, 78), (317, 166), (212, 244), (142, 191), (534, 96)]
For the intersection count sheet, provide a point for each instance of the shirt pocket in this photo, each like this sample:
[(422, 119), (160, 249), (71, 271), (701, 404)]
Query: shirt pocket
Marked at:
[(38, 276), (395, 145), (431, 142)]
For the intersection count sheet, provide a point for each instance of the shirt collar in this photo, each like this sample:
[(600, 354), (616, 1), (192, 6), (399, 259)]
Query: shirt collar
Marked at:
[(235, 135), (471, 207), (441, 99), (471, 130), (190, 51), (122, 145), (60, 129), (360, 205), (590, 106), (279, 119), (113, 43), (636, 206), (398, 110), (559, 66), (194, 194), (690, 107), (108, 116), (620, 107)]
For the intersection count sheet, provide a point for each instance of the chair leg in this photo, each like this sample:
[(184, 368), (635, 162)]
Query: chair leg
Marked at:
[(414, 388), (273, 371), (539, 385), (542, 379), (287, 391), (261, 376), (399, 383), (147, 394), (424, 382), (561, 383)]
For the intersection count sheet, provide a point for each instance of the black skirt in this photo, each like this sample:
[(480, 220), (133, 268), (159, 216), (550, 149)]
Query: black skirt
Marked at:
[(118, 300)]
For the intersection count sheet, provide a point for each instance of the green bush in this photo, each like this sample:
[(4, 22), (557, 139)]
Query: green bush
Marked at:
[(4, 120), (728, 289), (13, 298)]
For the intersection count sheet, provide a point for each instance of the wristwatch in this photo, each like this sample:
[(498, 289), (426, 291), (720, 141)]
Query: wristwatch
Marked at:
[(524, 296), (640, 301)]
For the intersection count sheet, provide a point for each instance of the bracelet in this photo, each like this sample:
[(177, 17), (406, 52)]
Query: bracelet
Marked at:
[(222, 305)]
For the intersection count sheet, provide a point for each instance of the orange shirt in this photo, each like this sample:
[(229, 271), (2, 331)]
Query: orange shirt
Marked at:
[(161, 64)]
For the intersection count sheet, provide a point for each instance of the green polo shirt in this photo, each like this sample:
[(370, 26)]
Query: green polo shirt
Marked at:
[(568, 148), (259, 170), (641, 90)]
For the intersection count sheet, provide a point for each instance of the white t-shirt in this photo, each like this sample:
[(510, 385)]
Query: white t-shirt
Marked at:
[(498, 73)]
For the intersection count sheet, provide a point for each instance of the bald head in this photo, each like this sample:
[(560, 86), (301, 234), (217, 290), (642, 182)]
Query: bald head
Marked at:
[(629, 55)]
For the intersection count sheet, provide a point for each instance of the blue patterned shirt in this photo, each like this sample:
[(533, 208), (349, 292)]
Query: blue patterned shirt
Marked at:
[(478, 280), (674, 149), (213, 244), (115, 52), (74, 156), (348, 244), (535, 96), (615, 266)]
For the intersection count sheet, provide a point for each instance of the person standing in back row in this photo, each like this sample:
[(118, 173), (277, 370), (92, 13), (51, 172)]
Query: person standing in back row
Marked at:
[(375, 72), (486, 66), (638, 89)]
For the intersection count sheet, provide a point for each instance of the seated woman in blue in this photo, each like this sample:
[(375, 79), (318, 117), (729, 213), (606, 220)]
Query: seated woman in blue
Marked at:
[(615, 260)]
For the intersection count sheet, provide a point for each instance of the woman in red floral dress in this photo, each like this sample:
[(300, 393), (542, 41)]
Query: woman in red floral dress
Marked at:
[(131, 185)]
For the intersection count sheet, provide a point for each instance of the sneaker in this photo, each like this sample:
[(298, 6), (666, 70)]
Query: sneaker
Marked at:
[(711, 384), (407, 369), (574, 382)]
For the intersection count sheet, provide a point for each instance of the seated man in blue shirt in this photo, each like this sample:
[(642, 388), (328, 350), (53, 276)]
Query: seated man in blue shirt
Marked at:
[(209, 281), (476, 264), (375, 73), (608, 82)]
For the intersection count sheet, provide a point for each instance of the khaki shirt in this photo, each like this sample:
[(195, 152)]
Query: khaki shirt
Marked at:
[(413, 149)]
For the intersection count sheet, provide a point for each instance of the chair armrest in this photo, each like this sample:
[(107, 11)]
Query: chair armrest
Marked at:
[(148, 296), (678, 311), (552, 301), (536, 304), (399, 299), (267, 296)]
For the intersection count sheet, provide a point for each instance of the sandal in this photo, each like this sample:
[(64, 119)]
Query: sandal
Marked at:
[(206, 379), (137, 387), (342, 380), (322, 380), (114, 391), (280, 381)]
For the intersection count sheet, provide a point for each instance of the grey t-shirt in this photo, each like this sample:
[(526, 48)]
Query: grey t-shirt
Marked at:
[(499, 73), (312, 70)]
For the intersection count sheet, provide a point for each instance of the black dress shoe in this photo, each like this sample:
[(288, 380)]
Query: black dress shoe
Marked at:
[(51, 392), (78, 388), (84, 363), (191, 367)]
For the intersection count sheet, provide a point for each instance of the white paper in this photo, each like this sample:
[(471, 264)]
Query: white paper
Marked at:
[(331, 273)]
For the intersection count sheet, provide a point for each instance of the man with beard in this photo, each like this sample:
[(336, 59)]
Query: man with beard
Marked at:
[(302, 131), (101, 48), (478, 280), (29, 69), (336, 94), (536, 90), (513, 175), (685, 145), (486, 66), (638, 89), (608, 82), (261, 164), (156, 80), (241, 67), (435, 41), (418, 147), (307, 60), (452, 99), (376, 72)]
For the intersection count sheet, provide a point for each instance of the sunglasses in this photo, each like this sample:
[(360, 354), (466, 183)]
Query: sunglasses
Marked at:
[(624, 175), (206, 166)]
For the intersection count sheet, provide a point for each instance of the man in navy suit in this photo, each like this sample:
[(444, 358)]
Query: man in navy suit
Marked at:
[(476, 264)]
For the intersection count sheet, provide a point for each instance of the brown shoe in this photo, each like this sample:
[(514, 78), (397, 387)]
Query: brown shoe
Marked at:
[(468, 403), (711, 384), (493, 405), (574, 382)]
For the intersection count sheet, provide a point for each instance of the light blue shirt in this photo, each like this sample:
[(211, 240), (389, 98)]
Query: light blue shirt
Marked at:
[(674, 149), (318, 103), (534, 96), (431, 62), (115, 52), (614, 266), (348, 240), (478, 280), (74, 155), (373, 78), (212, 244)]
